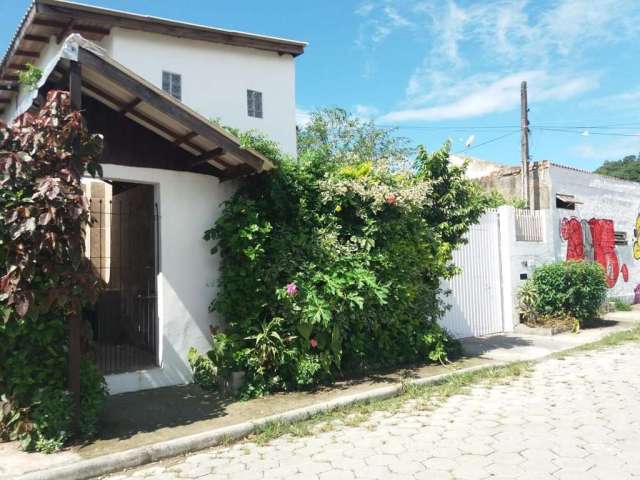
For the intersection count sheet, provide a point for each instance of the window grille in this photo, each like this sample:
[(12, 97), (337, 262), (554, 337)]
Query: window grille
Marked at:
[(621, 238), (172, 84), (254, 103)]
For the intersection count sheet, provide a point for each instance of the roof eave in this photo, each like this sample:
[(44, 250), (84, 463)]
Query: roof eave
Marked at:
[(123, 19)]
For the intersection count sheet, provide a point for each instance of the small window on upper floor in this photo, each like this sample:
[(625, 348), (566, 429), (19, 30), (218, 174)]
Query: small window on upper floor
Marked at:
[(254, 103), (172, 84), (566, 202)]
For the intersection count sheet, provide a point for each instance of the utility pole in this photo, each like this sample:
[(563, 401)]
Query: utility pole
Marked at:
[(524, 144)]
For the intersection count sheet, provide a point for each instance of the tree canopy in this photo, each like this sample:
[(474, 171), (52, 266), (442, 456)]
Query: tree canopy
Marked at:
[(347, 139), (628, 168)]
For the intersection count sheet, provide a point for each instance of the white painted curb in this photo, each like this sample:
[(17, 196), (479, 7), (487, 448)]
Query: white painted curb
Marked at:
[(136, 457)]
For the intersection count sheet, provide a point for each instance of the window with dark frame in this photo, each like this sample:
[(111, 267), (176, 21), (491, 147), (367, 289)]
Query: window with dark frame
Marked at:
[(621, 238), (566, 202), (172, 84), (254, 103)]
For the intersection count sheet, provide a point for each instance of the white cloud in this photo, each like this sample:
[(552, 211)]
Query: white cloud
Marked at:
[(455, 40), (303, 117), (612, 150), (619, 101), (365, 8), (396, 19), (365, 112), (484, 94)]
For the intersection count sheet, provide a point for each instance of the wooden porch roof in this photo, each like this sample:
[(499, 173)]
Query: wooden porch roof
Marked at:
[(132, 96)]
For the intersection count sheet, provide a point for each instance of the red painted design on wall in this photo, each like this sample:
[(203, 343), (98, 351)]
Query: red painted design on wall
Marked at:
[(594, 240), (625, 273), (571, 231), (604, 248)]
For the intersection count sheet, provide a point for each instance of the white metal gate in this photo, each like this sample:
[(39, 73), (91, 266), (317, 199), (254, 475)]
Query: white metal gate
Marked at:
[(476, 293)]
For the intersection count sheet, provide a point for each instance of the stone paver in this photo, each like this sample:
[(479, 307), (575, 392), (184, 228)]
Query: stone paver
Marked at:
[(577, 417)]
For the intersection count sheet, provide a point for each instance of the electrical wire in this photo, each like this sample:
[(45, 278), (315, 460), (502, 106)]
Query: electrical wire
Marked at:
[(608, 134), (487, 142)]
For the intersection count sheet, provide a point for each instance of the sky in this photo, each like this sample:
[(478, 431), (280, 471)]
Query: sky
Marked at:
[(451, 69)]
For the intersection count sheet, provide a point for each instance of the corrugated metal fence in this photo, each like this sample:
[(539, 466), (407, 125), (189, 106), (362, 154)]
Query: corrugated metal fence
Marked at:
[(476, 294)]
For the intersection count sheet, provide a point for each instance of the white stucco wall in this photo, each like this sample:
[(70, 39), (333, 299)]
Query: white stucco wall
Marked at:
[(602, 198), (188, 205), (216, 77)]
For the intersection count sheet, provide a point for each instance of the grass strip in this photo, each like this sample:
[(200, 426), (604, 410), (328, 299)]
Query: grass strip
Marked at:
[(426, 397), (611, 340)]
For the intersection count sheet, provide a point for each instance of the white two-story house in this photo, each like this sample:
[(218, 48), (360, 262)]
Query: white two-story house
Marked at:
[(151, 87)]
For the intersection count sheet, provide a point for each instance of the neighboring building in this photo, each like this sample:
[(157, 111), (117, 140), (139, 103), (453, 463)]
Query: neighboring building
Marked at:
[(150, 87), (584, 215)]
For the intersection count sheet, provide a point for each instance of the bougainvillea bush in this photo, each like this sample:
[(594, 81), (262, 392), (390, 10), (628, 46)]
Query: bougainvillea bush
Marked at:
[(333, 265), (44, 275)]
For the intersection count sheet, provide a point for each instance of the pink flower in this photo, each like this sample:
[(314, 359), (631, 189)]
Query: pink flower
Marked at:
[(292, 289), (313, 342), (391, 199)]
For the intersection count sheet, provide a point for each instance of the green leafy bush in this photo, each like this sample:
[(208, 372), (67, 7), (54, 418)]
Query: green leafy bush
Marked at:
[(204, 370), (51, 416), (576, 289), (333, 265), (93, 394)]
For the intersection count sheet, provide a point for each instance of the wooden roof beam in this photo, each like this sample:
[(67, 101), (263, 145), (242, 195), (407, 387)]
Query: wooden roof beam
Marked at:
[(29, 37), (42, 22), (210, 155), (27, 53), (236, 171), (129, 107), (9, 87), (18, 66), (64, 33), (150, 121), (184, 138), (5, 101)]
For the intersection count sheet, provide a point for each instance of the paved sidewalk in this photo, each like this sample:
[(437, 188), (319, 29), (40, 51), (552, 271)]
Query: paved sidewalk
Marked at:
[(572, 418), (153, 416)]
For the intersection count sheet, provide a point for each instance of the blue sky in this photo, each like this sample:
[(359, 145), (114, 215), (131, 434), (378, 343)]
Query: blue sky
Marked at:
[(443, 69)]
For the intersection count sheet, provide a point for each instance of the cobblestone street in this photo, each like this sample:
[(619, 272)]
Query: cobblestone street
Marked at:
[(572, 418)]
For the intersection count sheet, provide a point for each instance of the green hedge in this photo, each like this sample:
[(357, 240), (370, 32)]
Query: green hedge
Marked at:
[(331, 267), (573, 288)]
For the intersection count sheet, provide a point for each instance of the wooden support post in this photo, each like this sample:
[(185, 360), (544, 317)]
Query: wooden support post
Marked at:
[(75, 322), (75, 85)]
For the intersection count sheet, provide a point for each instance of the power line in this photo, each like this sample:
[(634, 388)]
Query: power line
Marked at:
[(607, 134), (488, 141), (441, 127)]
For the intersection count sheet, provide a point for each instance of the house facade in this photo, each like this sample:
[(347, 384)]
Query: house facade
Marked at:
[(582, 215), (151, 87)]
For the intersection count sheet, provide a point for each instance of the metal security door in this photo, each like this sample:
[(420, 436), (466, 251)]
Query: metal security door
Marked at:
[(476, 293)]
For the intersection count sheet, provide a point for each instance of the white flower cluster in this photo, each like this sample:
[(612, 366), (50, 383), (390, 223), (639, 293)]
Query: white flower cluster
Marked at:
[(406, 196)]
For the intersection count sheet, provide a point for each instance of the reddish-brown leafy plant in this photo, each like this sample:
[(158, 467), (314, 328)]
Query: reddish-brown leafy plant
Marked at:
[(42, 159)]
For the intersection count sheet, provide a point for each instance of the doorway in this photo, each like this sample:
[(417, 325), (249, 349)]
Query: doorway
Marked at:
[(123, 248)]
